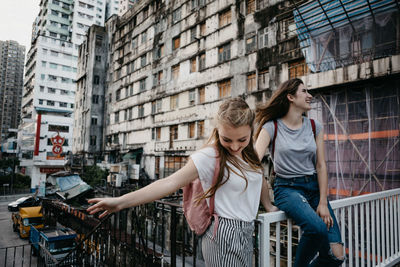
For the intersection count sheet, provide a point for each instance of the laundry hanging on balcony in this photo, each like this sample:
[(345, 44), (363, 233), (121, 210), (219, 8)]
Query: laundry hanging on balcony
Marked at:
[(336, 33)]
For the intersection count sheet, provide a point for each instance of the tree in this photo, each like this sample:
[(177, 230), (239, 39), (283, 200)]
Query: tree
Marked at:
[(93, 175)]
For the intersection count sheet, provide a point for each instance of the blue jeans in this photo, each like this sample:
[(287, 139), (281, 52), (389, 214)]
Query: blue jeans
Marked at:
[(299, 198)]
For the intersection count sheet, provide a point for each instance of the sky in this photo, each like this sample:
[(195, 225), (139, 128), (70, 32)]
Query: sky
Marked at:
[(16, 20)]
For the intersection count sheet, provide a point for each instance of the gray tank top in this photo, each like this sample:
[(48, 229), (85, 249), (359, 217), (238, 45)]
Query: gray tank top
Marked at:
[(295, 150)]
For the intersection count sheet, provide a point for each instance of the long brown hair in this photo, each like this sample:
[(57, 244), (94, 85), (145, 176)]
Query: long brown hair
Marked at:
[(236, 113), (278, 105)]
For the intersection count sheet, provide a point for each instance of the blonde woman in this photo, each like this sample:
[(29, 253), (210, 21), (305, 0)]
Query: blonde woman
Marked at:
[(237, 191)]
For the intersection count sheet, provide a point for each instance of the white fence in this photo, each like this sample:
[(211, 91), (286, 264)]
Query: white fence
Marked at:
[(370, 227)]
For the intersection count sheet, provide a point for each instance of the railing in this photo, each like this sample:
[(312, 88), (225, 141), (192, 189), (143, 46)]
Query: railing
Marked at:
[(370, 227), (155, 234)]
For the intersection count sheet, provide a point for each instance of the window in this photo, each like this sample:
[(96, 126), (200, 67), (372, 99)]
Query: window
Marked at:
[(58, 128), (134, 43), (173, 163), (173, 132), (51, 90), (159, 105), (50, 103), (143, 60), (174, 102), (175, 72), (63, 104), (202, 61), (44, 63), (40, 101), (202, 95), (263, 38), (176, 42), (263, 79), (251, 44), (95, 99), (118, 95), (142, 85), (176, 15), (94, 120), (250, 6), (192, 127), (158, 133), (193, 64), (92, 140), (116, 117), (53, 34), (144, 37), (200, 129), (98, 58), (159, 52), (153, 107), (203, 29), (157, 77), (251, 82), (54, 53), (193, 34), (96, 79), (140, 111), (52, 78), (41, 88), (225, 18), (145, 12), (224, 88), (224, 52), (192, 97), (297, 68)]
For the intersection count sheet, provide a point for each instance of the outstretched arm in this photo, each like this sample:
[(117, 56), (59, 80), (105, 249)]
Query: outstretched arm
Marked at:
[(154, 191), (261, 146)]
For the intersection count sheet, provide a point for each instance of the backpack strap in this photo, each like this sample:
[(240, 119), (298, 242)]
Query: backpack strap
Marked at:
[(273, 139), (313, 128), (212, 198)]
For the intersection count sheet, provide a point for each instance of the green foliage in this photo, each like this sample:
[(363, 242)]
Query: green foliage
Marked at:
[(20, 181), (93, 175), (8, 162)]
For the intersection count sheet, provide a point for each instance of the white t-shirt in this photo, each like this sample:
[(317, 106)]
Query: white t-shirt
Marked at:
[(232, 201)]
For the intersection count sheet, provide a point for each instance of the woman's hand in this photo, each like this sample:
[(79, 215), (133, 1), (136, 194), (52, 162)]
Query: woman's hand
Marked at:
[(108, 205), (272, 208), (323, 212)]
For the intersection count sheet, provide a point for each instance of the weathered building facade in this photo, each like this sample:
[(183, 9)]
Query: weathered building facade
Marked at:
[(90, 93), (172, 64)]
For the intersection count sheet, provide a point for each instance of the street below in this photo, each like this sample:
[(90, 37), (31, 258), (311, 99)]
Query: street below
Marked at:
[(11, 243)]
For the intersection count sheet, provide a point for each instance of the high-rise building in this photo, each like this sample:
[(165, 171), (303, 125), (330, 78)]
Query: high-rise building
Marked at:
[(90, 95), (45, 133), (12, 57), (125, 5), (112, 7)]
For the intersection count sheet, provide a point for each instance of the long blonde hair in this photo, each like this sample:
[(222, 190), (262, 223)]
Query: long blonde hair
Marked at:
[(236, 113), (278, 105)]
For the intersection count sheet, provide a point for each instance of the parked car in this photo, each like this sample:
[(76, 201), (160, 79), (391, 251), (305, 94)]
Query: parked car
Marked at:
[(28, 201)]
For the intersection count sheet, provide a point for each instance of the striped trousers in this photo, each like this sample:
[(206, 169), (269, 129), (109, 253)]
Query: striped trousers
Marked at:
[(232, 245)]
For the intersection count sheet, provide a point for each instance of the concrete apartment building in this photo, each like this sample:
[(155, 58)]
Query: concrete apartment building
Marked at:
[(12, 56), (125, 5), (50, 84), (90, 95), (172, 63)]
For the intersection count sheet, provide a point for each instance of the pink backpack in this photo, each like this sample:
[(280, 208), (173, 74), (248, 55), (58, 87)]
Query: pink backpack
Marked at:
[(199, 214)]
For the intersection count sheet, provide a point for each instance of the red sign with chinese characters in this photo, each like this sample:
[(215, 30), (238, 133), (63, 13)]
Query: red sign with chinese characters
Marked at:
[(57, 142)]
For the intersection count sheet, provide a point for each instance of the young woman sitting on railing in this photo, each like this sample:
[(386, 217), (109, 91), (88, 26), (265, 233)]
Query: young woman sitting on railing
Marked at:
[(301, 183), (237, 191)]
